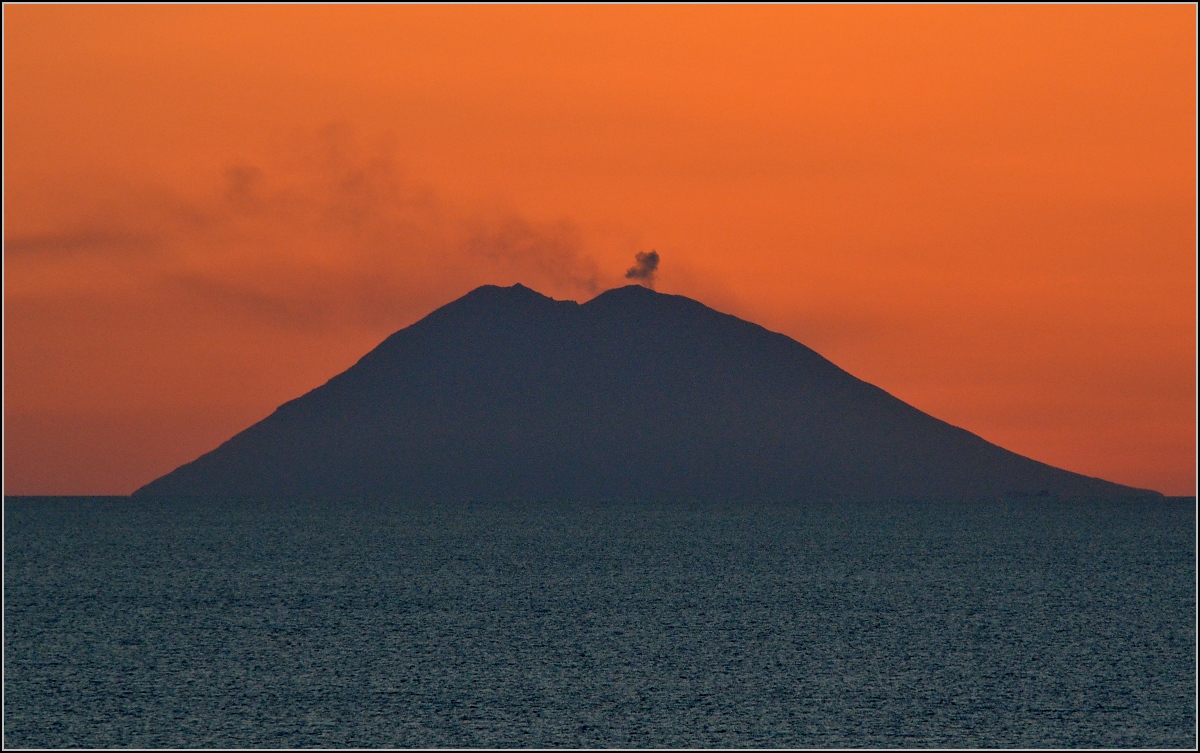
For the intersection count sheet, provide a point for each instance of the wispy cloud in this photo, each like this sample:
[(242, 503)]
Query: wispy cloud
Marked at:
[(72, 242), (334, 232)]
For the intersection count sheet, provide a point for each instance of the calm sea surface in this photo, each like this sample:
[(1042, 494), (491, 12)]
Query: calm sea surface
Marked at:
[(1032, 623)]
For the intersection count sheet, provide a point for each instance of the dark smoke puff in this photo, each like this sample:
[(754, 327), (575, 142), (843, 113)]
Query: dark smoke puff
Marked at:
[(647, 265)]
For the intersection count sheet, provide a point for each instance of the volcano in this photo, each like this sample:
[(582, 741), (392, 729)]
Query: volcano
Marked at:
[(508, 394)]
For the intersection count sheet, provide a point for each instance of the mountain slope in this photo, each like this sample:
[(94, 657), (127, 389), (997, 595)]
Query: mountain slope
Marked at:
[(506, 393)]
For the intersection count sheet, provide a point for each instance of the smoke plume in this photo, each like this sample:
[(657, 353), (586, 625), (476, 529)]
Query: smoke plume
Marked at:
[(330, 232), (643, 271)]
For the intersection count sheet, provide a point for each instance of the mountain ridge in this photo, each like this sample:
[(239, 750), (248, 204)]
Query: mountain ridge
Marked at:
[(507, 393)]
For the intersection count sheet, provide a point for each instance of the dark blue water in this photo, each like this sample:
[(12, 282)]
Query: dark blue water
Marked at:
[(1032, 623)]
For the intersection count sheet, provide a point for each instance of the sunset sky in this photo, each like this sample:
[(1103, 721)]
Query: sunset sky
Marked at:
[(988, 211)]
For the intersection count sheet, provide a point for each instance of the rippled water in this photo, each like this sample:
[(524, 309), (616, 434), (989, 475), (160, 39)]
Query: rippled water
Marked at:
[(1032, 623)]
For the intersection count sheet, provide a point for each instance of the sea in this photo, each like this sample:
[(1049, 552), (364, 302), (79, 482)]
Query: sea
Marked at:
[(565, 624)]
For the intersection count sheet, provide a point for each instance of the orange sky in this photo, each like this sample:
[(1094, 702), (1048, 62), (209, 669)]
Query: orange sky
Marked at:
[(988, 211)]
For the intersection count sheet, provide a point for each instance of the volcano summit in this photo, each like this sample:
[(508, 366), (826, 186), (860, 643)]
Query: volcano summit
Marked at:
[(505, 393)]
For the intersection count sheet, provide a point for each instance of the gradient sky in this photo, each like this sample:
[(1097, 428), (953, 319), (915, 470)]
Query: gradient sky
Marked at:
[(988, 211)]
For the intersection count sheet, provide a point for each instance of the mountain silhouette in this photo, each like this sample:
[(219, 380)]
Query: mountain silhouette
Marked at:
[(505, 393)]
